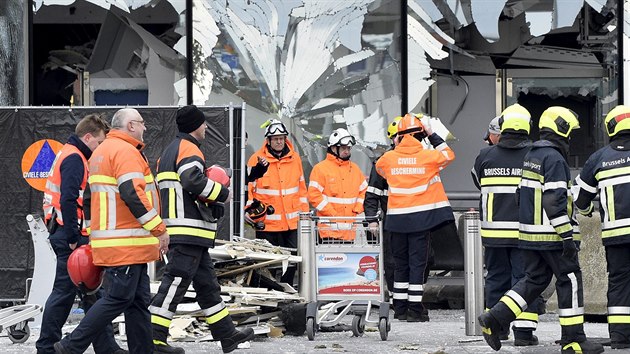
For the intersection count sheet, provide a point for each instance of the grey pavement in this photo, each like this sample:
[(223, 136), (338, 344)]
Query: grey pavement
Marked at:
[(445, 333)]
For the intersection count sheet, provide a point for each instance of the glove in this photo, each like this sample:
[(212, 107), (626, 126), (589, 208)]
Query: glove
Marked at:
[(426, 123), (569, 249), (218, 210)]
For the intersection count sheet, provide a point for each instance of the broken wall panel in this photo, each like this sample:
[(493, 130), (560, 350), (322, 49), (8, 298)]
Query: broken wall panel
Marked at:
[(12, 53)]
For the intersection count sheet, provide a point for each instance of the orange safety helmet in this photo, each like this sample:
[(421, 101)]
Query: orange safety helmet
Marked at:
[(219, 174), (410, 124), (83, 273)]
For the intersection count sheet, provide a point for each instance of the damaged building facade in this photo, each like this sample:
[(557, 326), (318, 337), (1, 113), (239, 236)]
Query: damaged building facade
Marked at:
[(319, 65)]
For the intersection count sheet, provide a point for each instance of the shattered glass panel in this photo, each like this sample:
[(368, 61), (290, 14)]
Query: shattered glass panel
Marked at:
[(317, 65)]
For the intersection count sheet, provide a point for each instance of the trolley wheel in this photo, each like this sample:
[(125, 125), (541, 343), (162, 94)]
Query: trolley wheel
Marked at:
[(383, 328), (310, 328), (358, 326), (19, 335)]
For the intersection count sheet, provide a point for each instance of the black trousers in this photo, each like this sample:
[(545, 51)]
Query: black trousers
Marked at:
[(61, 300), (505, 266), (286, 239), (539, 269), (411, 255), (126, 291), (189, 264), (618, 264)]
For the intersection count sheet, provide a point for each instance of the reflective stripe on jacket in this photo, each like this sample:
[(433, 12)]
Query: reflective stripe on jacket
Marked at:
[(124, 202), (546, 212), (282, 186), (497, 173), (52, 193), (337, 188), (607, 171), (181, 179), (416, 197)]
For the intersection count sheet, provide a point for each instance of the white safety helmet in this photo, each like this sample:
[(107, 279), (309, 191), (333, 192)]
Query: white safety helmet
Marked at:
[(341, 137), (275, 127)]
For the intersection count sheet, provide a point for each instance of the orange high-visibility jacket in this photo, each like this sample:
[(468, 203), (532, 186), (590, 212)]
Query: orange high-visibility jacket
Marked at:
[(125, 221), (282, 186), (52, 193), (337, 188), (417, 200)]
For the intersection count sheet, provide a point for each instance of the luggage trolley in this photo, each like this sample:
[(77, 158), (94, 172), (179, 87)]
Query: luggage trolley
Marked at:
[(345, 274)]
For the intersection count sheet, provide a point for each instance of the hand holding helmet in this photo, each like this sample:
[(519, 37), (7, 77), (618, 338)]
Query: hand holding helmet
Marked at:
[(82, 271)]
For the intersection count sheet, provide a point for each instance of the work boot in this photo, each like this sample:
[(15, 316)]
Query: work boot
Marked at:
[(400, 316), (165, 348), (230, 343), (60, 349), (525, 342), (618, 341), (490, 328), (413, 316), (585, 347)]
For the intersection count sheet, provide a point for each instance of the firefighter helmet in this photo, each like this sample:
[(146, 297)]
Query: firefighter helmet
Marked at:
[(83, 273), (341, 137), (258, 212), (560, 120), (515, 117), (409, 124), (617, 120), (219, 174), (274, 127), (392, 128)]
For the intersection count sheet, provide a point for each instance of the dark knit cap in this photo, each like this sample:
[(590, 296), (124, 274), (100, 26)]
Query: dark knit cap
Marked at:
[(189, 118)]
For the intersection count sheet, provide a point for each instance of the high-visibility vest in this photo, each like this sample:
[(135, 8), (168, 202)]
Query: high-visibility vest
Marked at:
[(125, 221), (337, 188), (52, 193), (282, 186), (416, 197)]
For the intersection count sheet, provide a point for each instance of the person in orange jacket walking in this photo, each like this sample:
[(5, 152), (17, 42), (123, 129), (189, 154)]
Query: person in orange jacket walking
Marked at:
[(337, 186), (416, 204), (278, 182), (65, 215), (127, 233)]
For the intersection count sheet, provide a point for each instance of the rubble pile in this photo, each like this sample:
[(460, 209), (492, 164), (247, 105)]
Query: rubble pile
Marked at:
[(247, 271)]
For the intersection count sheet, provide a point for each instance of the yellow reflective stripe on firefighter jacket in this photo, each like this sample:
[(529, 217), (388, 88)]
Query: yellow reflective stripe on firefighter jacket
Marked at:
[(52, 192), (182, 180), (546, 213), (416, 197), (497, 173), (124, 203), (607, 171), (282, 186), (337, 188)]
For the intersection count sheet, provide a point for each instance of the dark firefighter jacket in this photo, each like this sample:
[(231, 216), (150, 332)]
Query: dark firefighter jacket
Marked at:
[(607, 171), (376, 194), (546, 212), (497, 173), (181, 179)]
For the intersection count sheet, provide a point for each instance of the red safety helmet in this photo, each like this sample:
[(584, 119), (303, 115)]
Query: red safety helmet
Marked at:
[(219, 174), (83, 273)]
